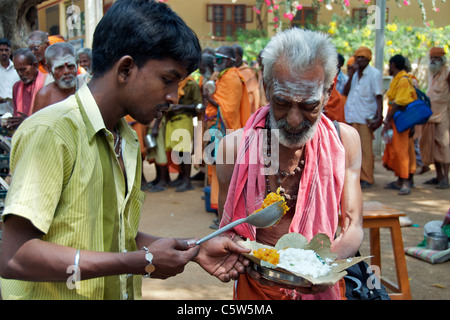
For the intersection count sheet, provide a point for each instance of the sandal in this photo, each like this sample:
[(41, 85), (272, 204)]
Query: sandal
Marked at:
[(443, 185), (392, 186), (404, 191), (157, 189), (183, 188), (432, 181)]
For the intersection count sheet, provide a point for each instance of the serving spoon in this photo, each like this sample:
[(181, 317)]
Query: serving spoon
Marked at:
[(265, 218)]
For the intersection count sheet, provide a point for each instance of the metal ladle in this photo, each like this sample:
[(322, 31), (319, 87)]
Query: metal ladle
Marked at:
[(265, 218)]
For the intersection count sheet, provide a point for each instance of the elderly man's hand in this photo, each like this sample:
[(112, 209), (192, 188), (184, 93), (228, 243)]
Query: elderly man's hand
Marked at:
[(221, 257)]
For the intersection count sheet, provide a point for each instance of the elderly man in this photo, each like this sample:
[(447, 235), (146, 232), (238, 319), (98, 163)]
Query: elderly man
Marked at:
[(25, 90), (71, 218), (38, 42), (62, 67), (317, 167), (435, 138), (84, 59), (8, 77), (364, 106)]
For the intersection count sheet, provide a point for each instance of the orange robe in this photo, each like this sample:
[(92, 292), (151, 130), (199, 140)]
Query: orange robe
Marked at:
[(251, 81), (334, 109), (232, 97), (141, 131), (399, 155), (234, 105)]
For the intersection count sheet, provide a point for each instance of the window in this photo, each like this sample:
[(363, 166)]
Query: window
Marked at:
[(360, 15), (227, 19), (305, 17)]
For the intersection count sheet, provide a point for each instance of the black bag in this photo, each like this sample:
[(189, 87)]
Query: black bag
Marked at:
[(356, 284)]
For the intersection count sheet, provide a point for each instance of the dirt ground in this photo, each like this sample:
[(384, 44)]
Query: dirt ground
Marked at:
[(174, 214)]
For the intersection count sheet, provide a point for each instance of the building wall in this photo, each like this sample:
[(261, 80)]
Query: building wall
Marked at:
[(194, 12)]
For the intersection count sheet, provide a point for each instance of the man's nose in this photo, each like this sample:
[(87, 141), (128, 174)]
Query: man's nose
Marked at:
[(294, 116), (172, 96)]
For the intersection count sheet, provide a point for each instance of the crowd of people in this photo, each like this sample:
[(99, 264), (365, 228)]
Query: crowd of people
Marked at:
[(78, 183)]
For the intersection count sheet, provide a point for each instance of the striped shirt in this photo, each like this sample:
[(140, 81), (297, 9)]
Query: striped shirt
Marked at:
[(68, 182)]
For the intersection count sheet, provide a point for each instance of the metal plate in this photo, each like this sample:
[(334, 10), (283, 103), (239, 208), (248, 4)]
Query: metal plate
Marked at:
[(282, 277)]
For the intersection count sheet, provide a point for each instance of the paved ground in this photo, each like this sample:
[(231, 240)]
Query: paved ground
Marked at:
[(183, 215)]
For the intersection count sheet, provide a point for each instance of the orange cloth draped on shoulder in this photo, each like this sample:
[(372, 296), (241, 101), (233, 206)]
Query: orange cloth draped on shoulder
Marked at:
[(334, 109), (251, 81), (141, 130), (399, 155), (232, 97)]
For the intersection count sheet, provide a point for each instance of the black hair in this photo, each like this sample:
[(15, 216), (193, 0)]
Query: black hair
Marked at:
[(27, 53), (399, 61), (208, 60), (228, 51), (341, 60), (145, 30), (5, 41)]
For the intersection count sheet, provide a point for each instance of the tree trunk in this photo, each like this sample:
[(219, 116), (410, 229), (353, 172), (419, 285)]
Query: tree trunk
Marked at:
[(17, 19)]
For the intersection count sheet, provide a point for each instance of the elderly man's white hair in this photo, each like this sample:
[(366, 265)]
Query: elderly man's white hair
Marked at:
[(58, 49), (300, 50)]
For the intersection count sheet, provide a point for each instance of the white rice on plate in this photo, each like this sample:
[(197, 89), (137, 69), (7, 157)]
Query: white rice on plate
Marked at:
[(305, 262)]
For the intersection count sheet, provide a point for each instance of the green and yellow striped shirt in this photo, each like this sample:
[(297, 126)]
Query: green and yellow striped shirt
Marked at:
[(68, 182)]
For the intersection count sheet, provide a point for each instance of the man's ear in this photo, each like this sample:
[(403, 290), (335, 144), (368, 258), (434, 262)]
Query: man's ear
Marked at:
[(124, 67)]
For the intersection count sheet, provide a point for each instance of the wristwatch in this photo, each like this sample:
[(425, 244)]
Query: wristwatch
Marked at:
[(149, 257)]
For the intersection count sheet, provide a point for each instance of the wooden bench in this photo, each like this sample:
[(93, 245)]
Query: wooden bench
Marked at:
[(375, 216)]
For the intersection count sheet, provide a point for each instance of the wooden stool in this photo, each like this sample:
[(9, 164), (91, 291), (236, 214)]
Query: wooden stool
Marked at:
[(375, 216)]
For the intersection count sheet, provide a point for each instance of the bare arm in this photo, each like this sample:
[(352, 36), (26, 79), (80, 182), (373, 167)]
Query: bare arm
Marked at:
[(350, 238), (24, 250)]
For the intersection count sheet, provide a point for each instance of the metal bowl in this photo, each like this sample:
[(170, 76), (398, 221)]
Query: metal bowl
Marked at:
[(437, 241), (282, 277)]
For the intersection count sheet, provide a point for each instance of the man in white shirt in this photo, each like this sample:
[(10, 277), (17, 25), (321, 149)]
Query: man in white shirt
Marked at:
[(364, 107), (8, 76)]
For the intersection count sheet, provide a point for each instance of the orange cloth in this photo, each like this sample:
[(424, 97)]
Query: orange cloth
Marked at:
[(334, 109), (399, 155), (232, 97), (250, 289), (363, 52), (437, 52), (55, 39), (251, 81), (141, 131)]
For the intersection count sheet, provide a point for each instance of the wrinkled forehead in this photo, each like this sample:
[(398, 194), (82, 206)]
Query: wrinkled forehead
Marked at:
[(35, 42), (302, 86)]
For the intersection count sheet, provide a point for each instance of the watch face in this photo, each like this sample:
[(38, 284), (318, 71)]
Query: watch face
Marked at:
[(149, 269)]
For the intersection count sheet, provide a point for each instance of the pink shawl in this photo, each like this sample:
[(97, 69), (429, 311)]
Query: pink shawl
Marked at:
[(320, 187), (34, 88)]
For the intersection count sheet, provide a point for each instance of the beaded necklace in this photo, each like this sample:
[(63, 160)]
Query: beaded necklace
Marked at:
[(281, 174)]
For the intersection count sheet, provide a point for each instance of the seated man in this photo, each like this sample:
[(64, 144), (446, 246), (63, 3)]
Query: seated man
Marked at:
[(317, 167), (62, 67)]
